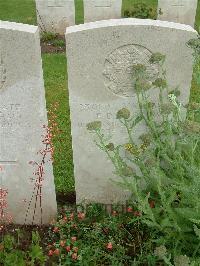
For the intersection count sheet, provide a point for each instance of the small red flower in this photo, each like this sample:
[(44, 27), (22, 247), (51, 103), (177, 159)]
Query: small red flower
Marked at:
[(56, 252), (75, 249), (81, 215), (74, 256), (73, 238), (114, 213), (65, 218), (152, 204), (50, 252), (56, 229), (109, 246), (71, 217), (68, 248), (62, 243), (129, 209), (137, 213)]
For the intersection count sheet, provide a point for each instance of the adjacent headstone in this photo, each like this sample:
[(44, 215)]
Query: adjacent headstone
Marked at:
[(55, 15), (180, 11), (100, 83), (102, 9), (22, 116)]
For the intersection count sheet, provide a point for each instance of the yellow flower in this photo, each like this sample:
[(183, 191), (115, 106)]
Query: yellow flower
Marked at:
[(132, 149), (128, 146)]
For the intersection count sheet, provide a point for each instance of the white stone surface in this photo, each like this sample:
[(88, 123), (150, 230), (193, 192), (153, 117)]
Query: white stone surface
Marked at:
[(22, 116), (102, 9), (55, 15), (180, 11), (100, 55)]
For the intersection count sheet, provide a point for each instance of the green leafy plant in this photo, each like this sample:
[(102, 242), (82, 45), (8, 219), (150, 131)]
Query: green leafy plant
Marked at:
[(162, 167), (53, 39), (36, 253), (48, 36), (141, 10), (195, 45), (94, 237), (12, 254), (8, 254)]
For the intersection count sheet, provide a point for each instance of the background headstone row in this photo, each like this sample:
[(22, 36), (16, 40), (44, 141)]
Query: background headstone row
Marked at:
[(56, 15)]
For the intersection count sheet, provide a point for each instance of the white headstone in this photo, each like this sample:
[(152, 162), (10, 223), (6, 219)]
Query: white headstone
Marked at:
[(22, 116), (180, 11), (55, 15), (101, 9), (100, 57)]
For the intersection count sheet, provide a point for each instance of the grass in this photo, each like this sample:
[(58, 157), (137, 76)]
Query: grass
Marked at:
[(21, 11), (55, 76), (79, 15), (56, 91), (197, 24)]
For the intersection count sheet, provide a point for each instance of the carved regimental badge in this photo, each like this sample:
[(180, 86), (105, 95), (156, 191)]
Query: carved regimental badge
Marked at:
[(2, 73), (118, 68)]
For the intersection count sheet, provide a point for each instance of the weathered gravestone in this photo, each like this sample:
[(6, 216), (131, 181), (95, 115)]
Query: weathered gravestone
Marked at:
[(101, 9), (22, 116), (181, 11), (55, 15), (100, 83)]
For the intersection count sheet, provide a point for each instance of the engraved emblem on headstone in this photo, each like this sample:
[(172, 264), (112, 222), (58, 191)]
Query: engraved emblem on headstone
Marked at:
[(55, 3), (102, 3), (118, 68), (2, 73)]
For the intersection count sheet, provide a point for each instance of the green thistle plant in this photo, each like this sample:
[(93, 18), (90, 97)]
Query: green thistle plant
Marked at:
[(166, 159), (160, 252), (157, 58), (181, 261), (93, 126), (160, 83), (123, 113), (110, 147)]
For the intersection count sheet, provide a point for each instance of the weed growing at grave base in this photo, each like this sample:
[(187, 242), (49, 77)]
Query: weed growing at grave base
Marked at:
[(162, 167), (93, 237), (48, 36), (96, 238), (54, 39), (12, 251), (141, 10)]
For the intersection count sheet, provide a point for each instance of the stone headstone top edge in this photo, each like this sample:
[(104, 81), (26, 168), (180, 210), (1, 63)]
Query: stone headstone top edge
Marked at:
[(18, 26), (128, 22)]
